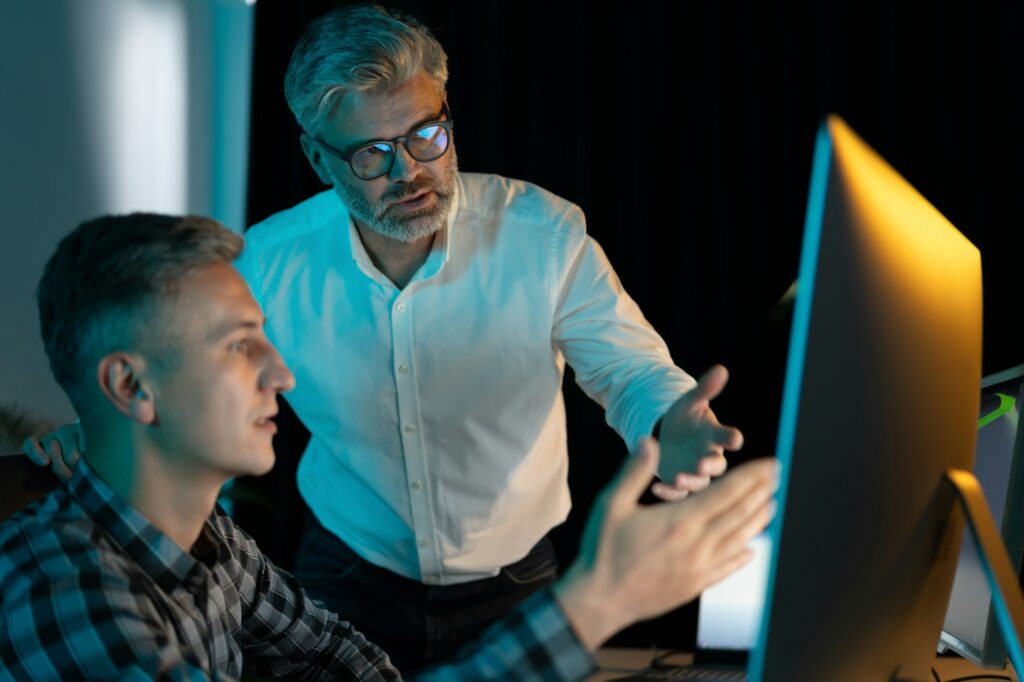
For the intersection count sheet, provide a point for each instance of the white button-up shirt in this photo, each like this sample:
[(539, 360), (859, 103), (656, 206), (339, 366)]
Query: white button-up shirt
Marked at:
[(438, 446)]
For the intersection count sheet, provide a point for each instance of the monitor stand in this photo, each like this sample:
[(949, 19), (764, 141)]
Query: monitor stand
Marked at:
[(1002, 577)]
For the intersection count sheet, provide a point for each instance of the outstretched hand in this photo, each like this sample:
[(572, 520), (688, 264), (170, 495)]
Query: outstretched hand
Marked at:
[(693, 442), (639, 562)]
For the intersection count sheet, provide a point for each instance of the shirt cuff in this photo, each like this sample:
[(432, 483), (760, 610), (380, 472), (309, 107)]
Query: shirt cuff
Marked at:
[(550, 629), (533, 642)]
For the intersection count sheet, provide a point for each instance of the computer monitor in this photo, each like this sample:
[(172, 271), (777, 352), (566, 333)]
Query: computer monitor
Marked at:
[(970, 628), (880, 399)]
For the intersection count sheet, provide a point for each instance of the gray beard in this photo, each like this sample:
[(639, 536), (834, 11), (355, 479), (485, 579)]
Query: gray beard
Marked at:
[(410, 227)]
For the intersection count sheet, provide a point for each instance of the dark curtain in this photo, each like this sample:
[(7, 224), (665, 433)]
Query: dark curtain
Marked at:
[(685, 130)]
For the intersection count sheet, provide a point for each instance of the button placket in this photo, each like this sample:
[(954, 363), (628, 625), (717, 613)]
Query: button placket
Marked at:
[(411, 438)]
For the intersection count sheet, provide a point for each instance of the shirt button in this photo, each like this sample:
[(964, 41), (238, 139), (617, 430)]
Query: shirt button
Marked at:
[(400, 307), (424, 542), (403, 369), (410, 428), (416, 485)]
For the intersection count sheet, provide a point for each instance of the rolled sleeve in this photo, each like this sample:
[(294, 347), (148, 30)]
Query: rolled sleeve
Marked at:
[(619, 360)]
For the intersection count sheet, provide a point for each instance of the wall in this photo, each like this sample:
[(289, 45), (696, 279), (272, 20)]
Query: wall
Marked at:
[(110, 106)]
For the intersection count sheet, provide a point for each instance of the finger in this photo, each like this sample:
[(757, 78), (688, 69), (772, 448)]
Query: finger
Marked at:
[(53, 449), (728, 437), (691, 482), (668, 493), (727, 566), (34, 451), (746, 512), (633, 476), (743, 534), (756, 475), (712, 465), (69, 448), (711, 383)]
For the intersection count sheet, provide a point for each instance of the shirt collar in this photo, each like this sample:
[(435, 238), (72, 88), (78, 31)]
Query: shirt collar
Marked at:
[(452, 216), (149, 547)]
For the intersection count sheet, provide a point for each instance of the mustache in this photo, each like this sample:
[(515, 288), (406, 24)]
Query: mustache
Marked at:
[(399, 194), (391, 198)]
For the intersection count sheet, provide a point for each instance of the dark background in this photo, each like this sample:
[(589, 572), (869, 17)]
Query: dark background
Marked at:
[(685, 130)]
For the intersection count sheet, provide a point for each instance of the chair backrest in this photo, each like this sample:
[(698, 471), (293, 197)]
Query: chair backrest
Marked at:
[(22, 482)]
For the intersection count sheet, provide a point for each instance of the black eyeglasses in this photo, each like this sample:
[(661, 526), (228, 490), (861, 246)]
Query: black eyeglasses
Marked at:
[(428, 142)]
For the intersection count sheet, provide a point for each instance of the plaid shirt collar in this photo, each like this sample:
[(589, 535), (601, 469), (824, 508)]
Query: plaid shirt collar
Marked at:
[(155, 553)]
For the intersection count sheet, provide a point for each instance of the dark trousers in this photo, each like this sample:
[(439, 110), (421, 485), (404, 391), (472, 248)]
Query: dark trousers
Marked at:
[(415, 624)]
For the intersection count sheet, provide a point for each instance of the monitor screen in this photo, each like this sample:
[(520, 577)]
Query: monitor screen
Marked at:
[(730, 611), (880, 400), (970, 627)]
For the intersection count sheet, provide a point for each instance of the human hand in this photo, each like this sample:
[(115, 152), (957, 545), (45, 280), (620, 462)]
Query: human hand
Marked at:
[(639, 562), (693, 442), (60, 449)]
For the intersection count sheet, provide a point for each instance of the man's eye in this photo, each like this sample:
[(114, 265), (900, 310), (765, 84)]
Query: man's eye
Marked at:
[(374, 151), (239, 346)]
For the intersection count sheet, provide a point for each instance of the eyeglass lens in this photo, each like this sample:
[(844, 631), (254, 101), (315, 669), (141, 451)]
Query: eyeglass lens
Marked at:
[(425, 144)]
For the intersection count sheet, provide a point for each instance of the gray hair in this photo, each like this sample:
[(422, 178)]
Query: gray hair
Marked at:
[(365, 48), (101, 289)]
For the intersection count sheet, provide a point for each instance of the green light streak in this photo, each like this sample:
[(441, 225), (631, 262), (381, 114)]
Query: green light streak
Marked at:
[(1006, 404)]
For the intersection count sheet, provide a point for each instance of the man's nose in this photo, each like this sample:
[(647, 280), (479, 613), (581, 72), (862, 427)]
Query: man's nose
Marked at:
[(277, 376), (405, 168)]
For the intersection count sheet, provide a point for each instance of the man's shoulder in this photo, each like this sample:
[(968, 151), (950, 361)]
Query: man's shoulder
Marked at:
[(489, 196), (52, 541), (320, 211), (71, 607), (54, 515)]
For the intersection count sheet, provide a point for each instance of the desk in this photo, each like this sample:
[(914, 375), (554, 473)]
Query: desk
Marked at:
[(623, 662)]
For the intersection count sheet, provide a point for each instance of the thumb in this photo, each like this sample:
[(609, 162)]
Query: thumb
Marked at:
[(634, 475), (711, 383)]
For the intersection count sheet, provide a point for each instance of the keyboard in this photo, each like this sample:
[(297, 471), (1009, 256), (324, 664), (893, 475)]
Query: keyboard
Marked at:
[(689, 672)]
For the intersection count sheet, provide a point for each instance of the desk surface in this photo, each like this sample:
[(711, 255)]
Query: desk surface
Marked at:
[(616, 663)]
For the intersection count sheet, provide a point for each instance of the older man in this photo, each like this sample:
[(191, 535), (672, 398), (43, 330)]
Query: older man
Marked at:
[(428, 315), (129, 571)]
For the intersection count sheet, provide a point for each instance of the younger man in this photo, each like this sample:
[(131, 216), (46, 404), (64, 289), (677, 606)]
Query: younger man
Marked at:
[(131, 572)]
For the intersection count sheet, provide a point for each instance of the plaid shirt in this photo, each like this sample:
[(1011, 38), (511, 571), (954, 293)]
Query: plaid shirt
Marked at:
[(90, 589)]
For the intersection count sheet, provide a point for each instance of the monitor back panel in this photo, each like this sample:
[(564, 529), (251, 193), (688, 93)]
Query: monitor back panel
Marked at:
[(880, 399)]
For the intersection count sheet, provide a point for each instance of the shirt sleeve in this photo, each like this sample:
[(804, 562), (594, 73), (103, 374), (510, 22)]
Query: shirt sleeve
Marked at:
[(65, 616), (534, 642), (619, 360), (286, 634)]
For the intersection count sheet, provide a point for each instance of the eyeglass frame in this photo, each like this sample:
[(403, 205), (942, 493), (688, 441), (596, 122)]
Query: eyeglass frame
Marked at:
[(346, 154)]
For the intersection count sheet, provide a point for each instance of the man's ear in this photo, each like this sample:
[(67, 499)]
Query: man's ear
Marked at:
[(120, 378), (317, 158)]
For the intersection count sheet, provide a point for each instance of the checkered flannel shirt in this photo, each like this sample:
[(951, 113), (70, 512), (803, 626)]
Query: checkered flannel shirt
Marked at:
[(90, 589)]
